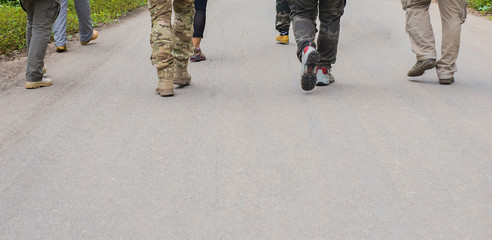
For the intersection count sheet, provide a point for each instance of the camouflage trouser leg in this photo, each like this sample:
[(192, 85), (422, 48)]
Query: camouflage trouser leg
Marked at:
[(304, 13), (171, 44), (184, 11), (282, 21)]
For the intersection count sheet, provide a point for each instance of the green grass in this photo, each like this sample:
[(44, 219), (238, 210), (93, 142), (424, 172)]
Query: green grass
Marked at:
[(12, 28), (13, 19)]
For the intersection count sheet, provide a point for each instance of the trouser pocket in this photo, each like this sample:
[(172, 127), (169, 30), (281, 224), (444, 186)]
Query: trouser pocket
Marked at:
[(341, 8), (56, 8), (404, 4), (464, 10)]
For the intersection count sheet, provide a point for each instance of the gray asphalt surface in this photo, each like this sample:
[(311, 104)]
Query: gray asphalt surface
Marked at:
[(244, 153)]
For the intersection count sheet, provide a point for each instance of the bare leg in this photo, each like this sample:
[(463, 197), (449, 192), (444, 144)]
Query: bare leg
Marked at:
[(196, 42)]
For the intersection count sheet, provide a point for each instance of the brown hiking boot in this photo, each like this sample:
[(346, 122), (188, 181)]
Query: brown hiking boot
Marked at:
[(181, 75), (165, 87), (95, 34), (421, 66), (182, 78)]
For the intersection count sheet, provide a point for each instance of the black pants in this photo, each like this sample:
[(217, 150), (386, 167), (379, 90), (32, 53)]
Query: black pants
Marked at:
[(200, 18)]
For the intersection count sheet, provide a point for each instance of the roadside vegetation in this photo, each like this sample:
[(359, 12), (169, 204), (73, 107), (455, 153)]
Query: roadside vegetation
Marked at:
[(13, 19), (484, 6)]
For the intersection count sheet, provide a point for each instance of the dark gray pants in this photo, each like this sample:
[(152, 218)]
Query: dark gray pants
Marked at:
[(41, 14), (303, 17)]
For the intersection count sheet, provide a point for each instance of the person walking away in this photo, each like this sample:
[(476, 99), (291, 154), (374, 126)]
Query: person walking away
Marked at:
[(86, 31), (419, 29), (199, 27), (171, 45), (282, 21), (41, 14), (316, 59)]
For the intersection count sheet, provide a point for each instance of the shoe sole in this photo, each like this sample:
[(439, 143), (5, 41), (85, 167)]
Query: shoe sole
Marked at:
[(423, 68), (182, 82), (33, 85), (308, 79), (94, 37), (446, 81), (198, 60), (324, 84), (165, 93)]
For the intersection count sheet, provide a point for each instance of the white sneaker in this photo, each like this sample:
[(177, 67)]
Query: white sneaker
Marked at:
[(324, 76), (309, 60)]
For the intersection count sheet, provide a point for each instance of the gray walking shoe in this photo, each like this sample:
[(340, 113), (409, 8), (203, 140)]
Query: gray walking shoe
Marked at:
[(324, 76), (421, 66), (197, 55), (310, 60)]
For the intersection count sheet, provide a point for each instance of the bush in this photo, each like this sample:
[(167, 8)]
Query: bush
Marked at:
[(13, 22), (13, 19), (9, 2), (484, 6)]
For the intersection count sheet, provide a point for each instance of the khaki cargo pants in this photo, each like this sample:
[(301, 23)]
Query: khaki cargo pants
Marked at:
[(419, 29)]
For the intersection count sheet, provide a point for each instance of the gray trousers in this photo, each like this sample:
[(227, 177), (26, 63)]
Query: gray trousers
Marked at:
[(303, 16), (41, 14), (83, 10)]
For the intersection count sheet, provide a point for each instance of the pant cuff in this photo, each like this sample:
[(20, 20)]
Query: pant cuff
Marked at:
[(426, 57)]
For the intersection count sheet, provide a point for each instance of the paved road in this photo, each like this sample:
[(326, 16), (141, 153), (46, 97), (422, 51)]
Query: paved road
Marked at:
[(244, 153)]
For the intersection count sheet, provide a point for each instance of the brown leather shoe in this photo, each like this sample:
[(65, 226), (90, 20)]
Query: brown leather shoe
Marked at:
[(61, 49), (95, 34)]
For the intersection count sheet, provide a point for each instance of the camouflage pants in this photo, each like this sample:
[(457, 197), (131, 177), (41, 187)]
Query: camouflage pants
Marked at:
[(282, 21), (304, 14), (171, 45)]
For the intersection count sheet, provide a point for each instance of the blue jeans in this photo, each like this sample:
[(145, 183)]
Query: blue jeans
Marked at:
[(83, 10)]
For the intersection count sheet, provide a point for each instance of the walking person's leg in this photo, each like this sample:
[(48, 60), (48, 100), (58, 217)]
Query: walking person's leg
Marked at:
[(60, 28), (330, 13), (282, 21), (453, 14), (419, 29), (41, 16), (86, 31), (162, 43), (184, 11), (198, 29), (303, 17)]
